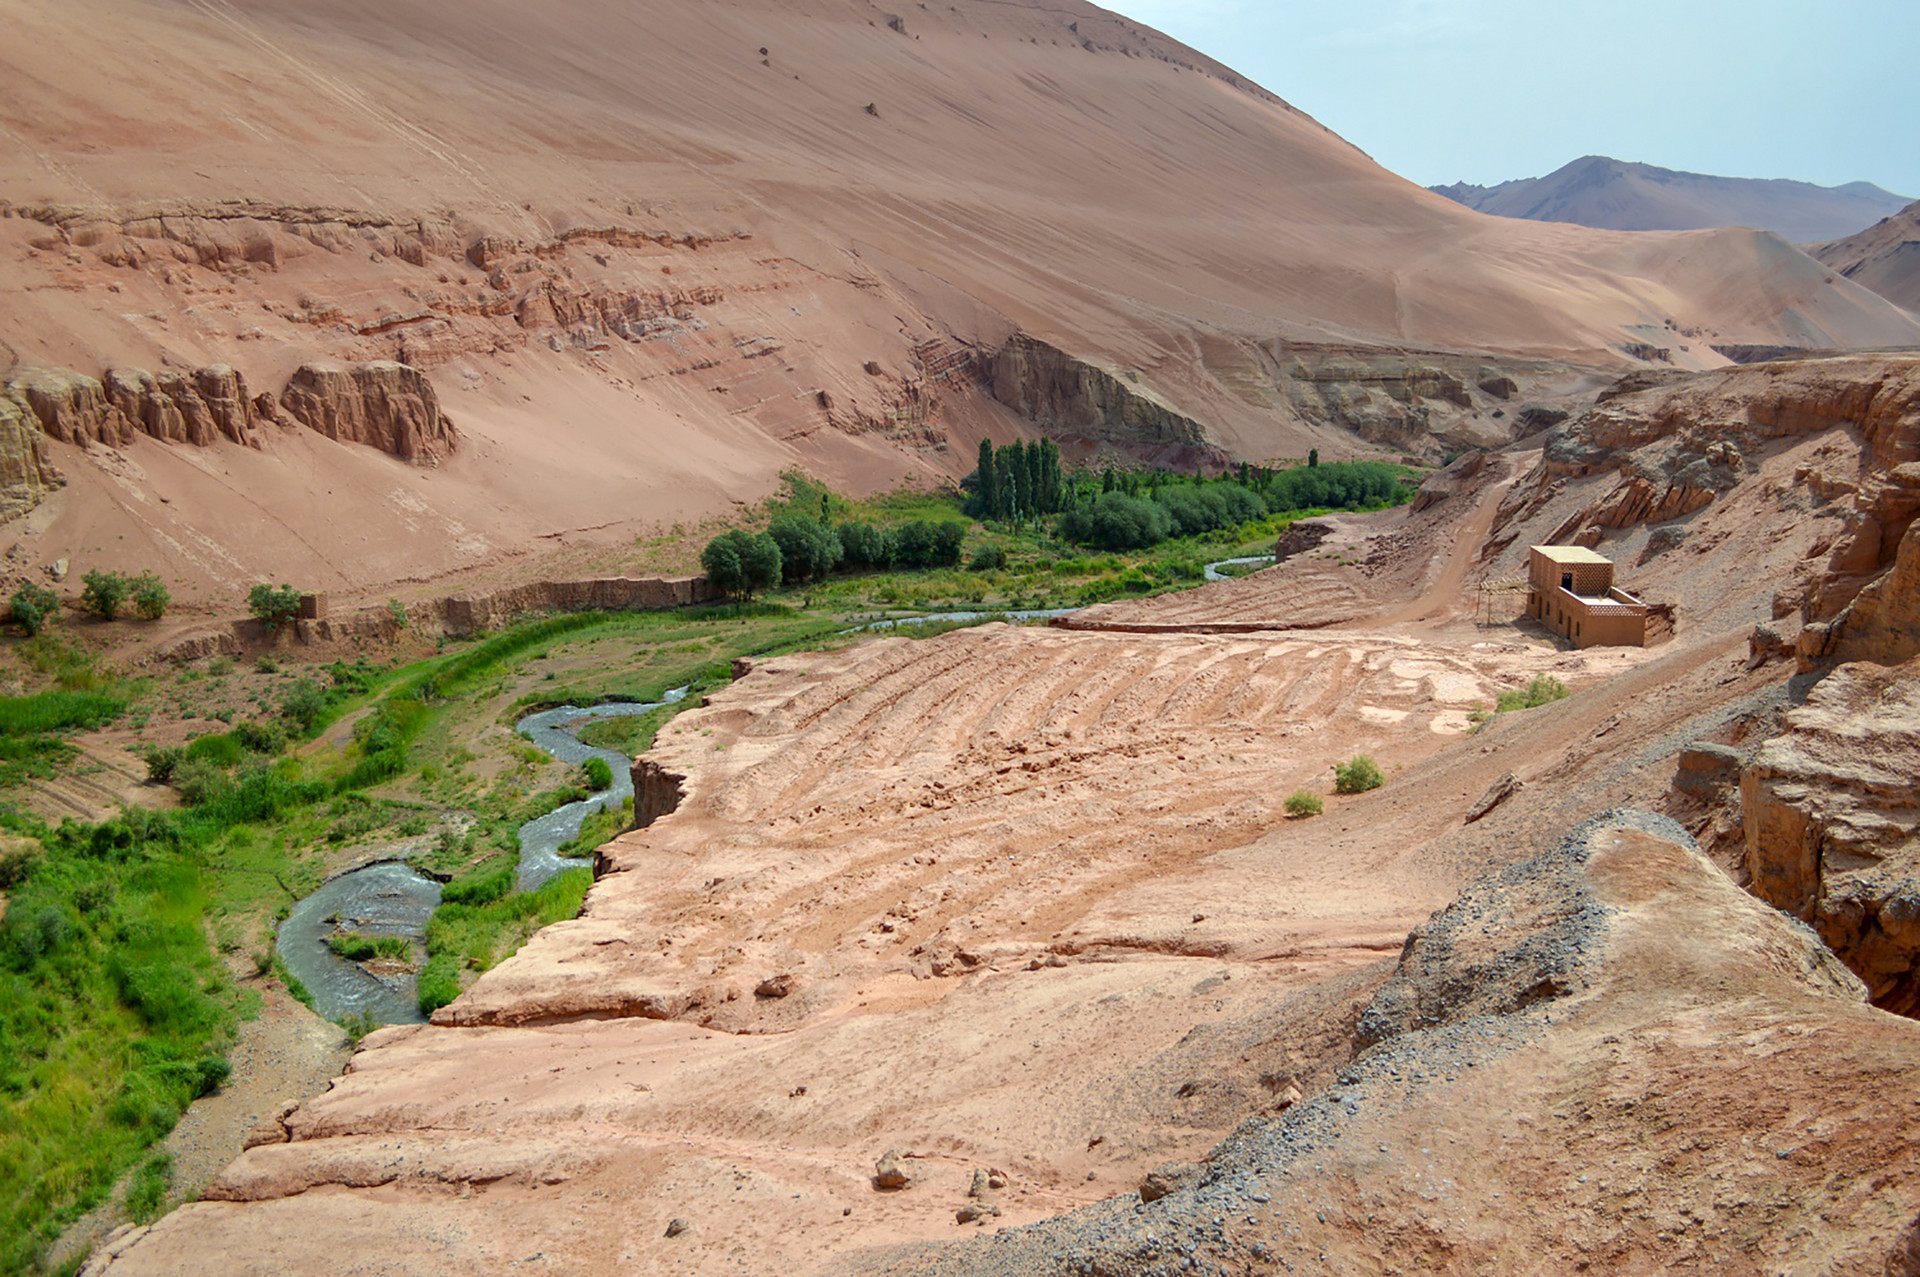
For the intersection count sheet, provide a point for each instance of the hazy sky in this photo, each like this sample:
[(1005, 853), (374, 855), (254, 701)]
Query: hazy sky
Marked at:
[(1824, 91)]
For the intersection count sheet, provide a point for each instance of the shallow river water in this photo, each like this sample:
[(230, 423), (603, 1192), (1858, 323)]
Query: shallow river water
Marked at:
[(391, 899)]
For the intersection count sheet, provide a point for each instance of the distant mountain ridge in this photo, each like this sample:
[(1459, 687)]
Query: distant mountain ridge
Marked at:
[(1884, 257), (1619, 195)]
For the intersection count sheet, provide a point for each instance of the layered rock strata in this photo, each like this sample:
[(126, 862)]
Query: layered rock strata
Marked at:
[(1832, 818)]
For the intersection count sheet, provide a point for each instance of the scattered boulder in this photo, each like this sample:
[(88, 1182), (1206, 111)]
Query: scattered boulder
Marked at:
[(1707, 769), (677, 1226), (976, 1212), (1501, 790), (1498, 384), (890, 1173), (1170, 1178), (775, 986)]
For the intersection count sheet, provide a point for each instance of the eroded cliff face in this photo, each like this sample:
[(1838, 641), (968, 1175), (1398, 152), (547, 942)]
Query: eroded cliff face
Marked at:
[(1679, 444), (385, 405), (25, 474), (1833, 823), (1077, 402)]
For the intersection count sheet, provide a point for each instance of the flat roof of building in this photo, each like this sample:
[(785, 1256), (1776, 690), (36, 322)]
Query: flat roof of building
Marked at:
[(1569, 554)]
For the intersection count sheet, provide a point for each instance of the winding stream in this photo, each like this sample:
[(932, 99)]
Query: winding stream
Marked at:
[(392, 899), (1213, 572)]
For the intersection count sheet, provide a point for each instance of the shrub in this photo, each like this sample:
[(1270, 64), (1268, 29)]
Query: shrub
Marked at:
[(1301, 804), (1357, 775), (303, 703), (162, 760), (32, 606), (1543, 690), (150, 596), (988, 558), (103, 592), (273, 605), (598, 772), (266, 664), (398, 611)]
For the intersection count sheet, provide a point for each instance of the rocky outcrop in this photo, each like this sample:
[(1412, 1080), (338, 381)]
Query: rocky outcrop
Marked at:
[(26, 476), (199, 407), (69, 406), (209, 404), (1833, 823), (1071, 399), (1882, 624), (388, 406)]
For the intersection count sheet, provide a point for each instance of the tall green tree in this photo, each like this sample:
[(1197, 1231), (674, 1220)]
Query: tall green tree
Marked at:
[(987, 497)]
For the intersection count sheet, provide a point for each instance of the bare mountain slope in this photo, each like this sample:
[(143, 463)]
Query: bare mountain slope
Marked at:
[(649, 254), (1623, 196), (1885, 257)]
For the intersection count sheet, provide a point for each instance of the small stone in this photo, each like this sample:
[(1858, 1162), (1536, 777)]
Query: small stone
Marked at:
[(975, 1212), (677, 1226), (979, 1186), (996, 1178), (774, 986)]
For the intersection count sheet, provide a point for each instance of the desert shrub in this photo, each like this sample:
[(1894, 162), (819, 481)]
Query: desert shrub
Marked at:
[(398, 611), (102, 592), (1543, 690), (1357, 775), (598, 772), (273, 605), (162, 760), (32, 606), (1301, 804), (988, 558), (150, 596), (266, 664)]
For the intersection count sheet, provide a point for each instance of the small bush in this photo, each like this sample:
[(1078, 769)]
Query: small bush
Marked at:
[(988, 558), (266, 664), (32, 606), (598, 772), (1543, 690), (150, 596), (161, 762), (1357, 775), (1301, 804), (398, 611), (102, 592)]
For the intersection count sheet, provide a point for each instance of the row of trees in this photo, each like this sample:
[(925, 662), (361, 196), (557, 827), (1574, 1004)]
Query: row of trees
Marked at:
[(1020, 481), (1118, 519), (796, 548)]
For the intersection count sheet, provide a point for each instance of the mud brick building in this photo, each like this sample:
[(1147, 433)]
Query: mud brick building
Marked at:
[(1570, 589)]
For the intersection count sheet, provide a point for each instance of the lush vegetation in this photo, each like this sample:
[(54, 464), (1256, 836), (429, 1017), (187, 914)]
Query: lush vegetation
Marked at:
[(114, 1016), (1139, 511), (482, 920), (1357, 775)]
